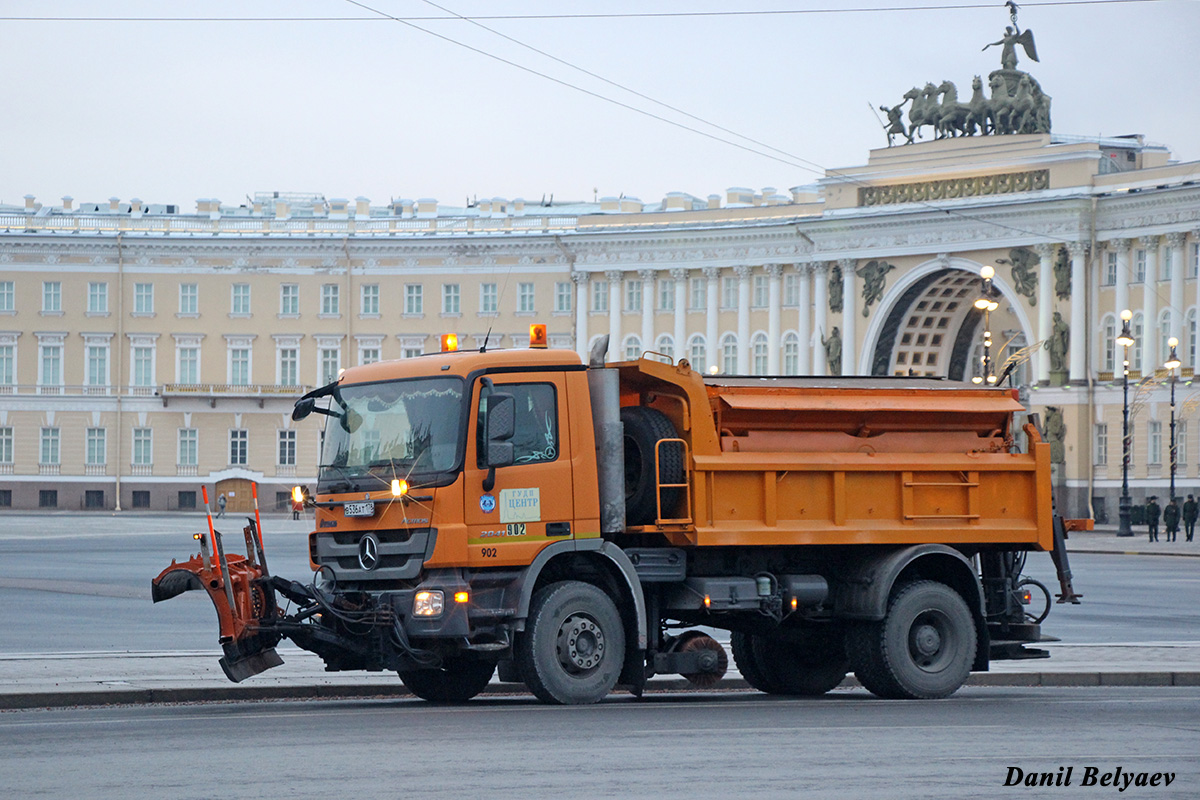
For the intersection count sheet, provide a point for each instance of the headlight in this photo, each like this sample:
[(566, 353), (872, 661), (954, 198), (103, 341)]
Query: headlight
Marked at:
[(428, 604)]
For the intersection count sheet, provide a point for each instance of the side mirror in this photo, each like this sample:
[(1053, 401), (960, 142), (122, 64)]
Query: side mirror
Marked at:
[(304, 407), (498, 428)]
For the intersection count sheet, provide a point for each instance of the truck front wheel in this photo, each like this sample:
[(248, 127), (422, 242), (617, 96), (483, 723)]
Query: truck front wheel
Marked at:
[(922, 649), (456, 681), (777, 666), (573, 646)]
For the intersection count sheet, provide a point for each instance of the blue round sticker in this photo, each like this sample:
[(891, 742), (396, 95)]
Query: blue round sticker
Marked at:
[(487, 503)]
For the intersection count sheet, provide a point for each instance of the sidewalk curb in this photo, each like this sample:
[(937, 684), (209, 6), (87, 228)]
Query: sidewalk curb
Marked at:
[(18, 701), (1073, 550)]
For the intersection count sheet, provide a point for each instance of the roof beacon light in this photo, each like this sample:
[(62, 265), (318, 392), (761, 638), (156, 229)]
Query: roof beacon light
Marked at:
[(449, 342), (537, 335)]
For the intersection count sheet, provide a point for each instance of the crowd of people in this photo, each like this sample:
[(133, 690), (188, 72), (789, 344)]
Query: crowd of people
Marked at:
[(1172, 515)]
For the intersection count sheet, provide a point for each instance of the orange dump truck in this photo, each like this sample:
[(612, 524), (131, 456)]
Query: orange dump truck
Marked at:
[(581, 527)]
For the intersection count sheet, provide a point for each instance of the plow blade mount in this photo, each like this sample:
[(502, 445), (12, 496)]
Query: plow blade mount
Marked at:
[(247, 625)]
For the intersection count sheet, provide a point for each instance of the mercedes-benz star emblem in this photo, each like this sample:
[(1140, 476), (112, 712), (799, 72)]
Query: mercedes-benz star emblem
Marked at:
[(368, 552)]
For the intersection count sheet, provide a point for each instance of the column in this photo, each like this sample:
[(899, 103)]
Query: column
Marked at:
[(821, 317), (1178, 271), (581, 313), (1045, 293), (1121, 246), (774, 304), (1077, 352), (711, 350), (679, 276), (1151, 356), (804, 318), (648, 298), (849, 317), (614, 315), (743, 319)]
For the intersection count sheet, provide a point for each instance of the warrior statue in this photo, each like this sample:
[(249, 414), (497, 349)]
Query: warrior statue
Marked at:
[(1013, 35), (833, 351)]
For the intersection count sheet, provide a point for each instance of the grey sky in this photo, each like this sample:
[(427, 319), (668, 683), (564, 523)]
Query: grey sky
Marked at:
[(171, 112)]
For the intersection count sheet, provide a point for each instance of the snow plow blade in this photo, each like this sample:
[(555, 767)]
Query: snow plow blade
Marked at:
[(243, 598)]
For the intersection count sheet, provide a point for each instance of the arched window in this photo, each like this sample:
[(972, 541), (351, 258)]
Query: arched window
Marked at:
[(1139, 338), (1189, 343), (791, 354), (1164, 333), (759, 345), (666, 345), (698, 353), (1108, 344), (729, 346), (633, 347)]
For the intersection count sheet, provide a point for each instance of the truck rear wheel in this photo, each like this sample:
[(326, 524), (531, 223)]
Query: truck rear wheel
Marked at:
[(922, 649), (799, 668), (456, 681), (573, 646), (644, 427)]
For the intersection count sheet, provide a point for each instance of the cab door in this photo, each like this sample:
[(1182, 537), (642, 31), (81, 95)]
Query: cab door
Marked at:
[(531, 503)]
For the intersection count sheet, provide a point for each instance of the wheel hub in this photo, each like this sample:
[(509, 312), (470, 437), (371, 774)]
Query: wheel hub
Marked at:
[(926, 640), (580, 644)]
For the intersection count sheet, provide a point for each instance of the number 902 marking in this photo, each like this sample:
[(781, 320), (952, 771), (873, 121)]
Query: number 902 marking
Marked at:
[(489, 552)]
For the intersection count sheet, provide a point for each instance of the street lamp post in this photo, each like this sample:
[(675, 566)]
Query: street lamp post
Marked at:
[(987, 305), (1172, 364), (1126, 341)]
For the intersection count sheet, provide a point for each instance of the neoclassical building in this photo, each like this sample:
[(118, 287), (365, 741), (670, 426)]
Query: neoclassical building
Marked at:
[(146, 349)]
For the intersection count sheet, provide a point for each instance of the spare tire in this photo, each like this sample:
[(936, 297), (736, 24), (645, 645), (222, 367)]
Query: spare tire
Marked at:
[(644, 427)]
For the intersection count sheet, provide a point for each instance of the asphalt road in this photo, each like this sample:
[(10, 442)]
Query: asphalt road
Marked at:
[(72, 583), (844, 745)]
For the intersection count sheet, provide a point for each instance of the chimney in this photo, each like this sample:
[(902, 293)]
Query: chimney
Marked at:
[(281, 209), (29, 204), (135, 206), (68, 202), (114, 204), (714, 201), (518, 208), (427, 208), (362, 207)]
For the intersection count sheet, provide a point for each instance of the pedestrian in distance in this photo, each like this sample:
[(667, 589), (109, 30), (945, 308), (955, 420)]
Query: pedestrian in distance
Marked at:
[(1171, 519), (1152, 514), (220, 506), (1190, 512)]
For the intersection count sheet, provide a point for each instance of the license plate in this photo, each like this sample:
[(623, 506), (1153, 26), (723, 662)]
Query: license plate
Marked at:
[(366, 509)]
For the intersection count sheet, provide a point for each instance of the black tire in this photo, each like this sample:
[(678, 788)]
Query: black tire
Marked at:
[(805, 668), (456, 681), (644, 427), (923, 648), (573, 646)]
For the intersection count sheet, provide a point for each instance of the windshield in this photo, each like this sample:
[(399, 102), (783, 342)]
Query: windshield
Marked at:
[(407, 429)]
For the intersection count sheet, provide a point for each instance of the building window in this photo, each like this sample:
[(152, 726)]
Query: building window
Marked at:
[(8, 369), (791, 290), (49, 454), (6, 445), (633, 348), (761, 292), (289, 300), (329, 300), (239, 366), (698, 353), (189, 299), (562, 297), (143, 298), (666, 346), (451, 298), (141, 498), (729, 346), (488, 304), (51, 297), (368, 355), (51, 365), (414, 300), (1139, 337), (791, 354), (1165, 265), (411, 352), (289, 366), (759, 346), (1191, 337), (238, 446), (1164, 334), (699, 293), (1181, 443), (189, 365), (370, 300), (1110, 268), (47, 498), (525, 298), (186, 500), (600, 296), (1154, 450), (666, 295), (143, 366), (93, 498), (7, 297), (240, 302), (97, 450), (143, 447), (330, 364), (189, 447), (6, 498), (1109, 344), (287, 448), (97, 365), (1193, 268), (1139, 266), (633, 295), (97, 298), (729, 291)]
